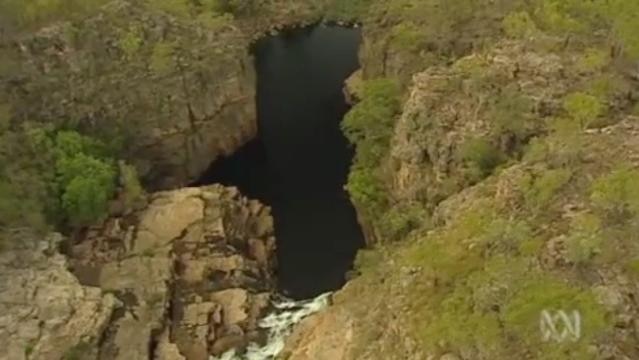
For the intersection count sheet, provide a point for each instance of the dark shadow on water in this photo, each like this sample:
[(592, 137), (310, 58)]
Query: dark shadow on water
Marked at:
[(300, 161)]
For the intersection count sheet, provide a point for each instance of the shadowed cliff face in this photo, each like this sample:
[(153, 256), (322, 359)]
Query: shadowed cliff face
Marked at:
[(300, 162)]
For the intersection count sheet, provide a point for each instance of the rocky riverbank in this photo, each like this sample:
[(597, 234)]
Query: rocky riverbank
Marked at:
[(186, 277)]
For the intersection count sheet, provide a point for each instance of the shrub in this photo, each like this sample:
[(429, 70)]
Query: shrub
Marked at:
[(348, 10), (87, 186), (510, 113), (459, 324), (371, 119), (180, 8), (583, 108), (593, 60), (132, 190), (519, 25), (401, 220), (482, 156), (617, 193), (131, 42), (545, 187), (367, 259), (407, 36), (584, 240), (366, 190), (539, 293), (369, 126)]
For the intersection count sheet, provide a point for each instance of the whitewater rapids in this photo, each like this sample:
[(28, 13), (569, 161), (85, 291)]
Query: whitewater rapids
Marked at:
[(278, 325)]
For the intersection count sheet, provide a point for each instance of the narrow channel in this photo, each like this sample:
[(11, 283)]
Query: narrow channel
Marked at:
[(300, 161)]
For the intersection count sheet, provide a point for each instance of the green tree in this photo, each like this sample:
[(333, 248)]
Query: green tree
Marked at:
[(583, 108), (87, 186)]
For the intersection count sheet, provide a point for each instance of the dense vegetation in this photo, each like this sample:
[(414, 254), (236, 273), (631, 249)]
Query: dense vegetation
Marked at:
[(537, 206), (546, 201)]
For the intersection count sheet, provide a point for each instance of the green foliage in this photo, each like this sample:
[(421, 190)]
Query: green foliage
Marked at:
[(55, 178), (511, 112), (348, 10), (585, 238), (85, 177), (132, 189), (617, 193), (131, 42), (448, 253), (407, 36), (81, 351), (567, 16), (593, 59), (519, 25), (623, 16), (366, 190), (18, 207), (28, 350), (459, 324), (397, 222), (633, 267), (372, 118), (541, 191), (179, 8), (235, 7), (583, 108), (34, 13), (369, 126), (87, 186), (213, 20), (541, 293), (536, 151), (367, 259), (481, 156)]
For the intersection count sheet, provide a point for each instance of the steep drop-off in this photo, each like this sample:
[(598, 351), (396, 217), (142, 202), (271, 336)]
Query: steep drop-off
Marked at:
[(300, 161)]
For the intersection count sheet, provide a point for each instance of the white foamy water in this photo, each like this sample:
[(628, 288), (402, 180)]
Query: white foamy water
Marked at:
[(279, 325)]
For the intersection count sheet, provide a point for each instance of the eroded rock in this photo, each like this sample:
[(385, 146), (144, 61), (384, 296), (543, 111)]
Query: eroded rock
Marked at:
[(44, 311), (194, 277)]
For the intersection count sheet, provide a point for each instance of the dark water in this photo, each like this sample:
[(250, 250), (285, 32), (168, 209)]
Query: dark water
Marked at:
[(300, 162)]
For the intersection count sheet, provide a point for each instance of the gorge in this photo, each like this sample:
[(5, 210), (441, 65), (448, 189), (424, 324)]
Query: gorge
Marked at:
[(493, 168), (300, 160)]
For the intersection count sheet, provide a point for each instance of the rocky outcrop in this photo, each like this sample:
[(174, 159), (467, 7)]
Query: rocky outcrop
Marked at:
[(194, 270), (179, 92), (449, 107), (45, 313)]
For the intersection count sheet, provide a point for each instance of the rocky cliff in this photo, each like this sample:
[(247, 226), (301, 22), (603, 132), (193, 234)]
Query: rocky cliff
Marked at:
[(172, 88), (186, 277), (46, 312), (177, 93), (521, 160)]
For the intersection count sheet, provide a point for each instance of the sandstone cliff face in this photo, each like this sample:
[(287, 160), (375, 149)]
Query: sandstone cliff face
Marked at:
[(178, 91), (449, 107), (194, 271), (187, 276), (45, 312)]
